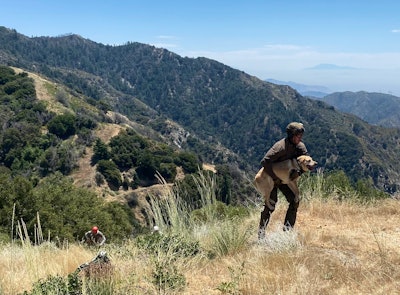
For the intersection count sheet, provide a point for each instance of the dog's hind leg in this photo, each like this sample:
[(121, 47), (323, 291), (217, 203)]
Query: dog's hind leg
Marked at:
[(265, 186), (269, 207)]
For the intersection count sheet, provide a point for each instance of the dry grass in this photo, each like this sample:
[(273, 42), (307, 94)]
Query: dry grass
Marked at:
[(21, 266), (337, 248)]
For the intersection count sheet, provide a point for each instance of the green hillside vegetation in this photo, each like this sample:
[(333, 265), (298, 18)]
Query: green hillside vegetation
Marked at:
[(38, 149), (218, 106), (41, 148)]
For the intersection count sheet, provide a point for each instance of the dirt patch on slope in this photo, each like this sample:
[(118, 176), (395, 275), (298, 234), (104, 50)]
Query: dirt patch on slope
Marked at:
[(84, 175)]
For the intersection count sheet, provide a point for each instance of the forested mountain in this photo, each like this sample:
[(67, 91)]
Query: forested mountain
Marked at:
[(375, 108), (211, 101), (61, 157)]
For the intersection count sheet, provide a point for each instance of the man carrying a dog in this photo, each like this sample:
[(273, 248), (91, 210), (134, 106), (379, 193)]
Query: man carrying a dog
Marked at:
[(287, 148)]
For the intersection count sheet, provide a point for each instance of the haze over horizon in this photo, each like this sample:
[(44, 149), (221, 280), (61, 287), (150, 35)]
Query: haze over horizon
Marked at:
[(341, 45)]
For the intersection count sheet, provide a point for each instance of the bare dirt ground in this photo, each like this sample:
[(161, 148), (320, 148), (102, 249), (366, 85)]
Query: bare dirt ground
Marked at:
[(84, 175)]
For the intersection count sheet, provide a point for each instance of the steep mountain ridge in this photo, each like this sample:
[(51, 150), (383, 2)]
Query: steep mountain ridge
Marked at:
[(218, 104)]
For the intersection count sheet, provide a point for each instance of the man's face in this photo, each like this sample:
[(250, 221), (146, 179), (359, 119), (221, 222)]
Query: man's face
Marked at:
[(297, 138)]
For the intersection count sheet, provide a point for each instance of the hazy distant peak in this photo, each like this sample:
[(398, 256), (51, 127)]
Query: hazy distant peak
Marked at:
[(306, 90), (330, 67)]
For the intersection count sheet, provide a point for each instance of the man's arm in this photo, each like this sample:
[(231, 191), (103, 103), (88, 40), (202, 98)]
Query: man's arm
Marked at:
[(103, 239), (267, 164), (273, 154), (301, 149), (86, 237)]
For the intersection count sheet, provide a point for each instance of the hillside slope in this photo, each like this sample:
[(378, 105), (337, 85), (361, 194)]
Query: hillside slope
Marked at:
[(84, 175), (375, 108), (215, 104)]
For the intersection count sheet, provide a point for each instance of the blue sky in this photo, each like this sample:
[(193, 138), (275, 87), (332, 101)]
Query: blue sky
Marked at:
[(287, 40)]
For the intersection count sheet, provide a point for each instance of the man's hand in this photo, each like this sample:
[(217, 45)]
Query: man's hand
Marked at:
[(294, 174), (277, 182)]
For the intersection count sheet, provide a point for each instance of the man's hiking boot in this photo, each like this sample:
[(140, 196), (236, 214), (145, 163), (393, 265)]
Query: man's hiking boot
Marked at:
[(261, 234)]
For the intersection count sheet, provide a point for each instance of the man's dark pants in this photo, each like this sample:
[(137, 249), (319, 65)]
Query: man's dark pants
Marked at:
[(291, 213)]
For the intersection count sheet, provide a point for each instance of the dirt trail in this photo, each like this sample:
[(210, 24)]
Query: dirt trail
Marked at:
[(41, 91), (84, 175)]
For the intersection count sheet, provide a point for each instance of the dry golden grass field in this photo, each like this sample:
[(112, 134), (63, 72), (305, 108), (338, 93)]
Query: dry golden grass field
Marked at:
[(336, 248)]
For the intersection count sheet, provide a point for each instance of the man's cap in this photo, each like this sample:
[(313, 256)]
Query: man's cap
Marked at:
[(294, 128)]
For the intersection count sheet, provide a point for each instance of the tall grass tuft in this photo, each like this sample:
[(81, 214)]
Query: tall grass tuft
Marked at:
[(312, 186), (23, 233), (334, 185), (229, 237), (206, 184), (171, 212), (168, 210)]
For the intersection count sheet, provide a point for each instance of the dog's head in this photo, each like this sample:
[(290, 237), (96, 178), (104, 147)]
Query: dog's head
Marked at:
[(306, 163)]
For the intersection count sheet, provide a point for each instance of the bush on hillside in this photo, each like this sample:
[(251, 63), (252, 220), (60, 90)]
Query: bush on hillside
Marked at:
[(110, 172), (64, 211), (63, 125)]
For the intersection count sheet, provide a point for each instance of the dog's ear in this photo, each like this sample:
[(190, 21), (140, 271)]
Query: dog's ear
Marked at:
[(304, 162), (303, 159), (300, 158)]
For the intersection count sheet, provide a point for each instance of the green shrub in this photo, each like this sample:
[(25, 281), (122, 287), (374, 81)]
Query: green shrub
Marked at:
[(110, 172), (65, 211), (167, 277), (63, 125), (168, 171), (100, 151), (368, 192), (168, 243), (218, 211), (232, 287), (57, 285), (188, 161)]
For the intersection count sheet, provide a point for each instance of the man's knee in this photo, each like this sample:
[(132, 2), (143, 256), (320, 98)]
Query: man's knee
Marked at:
[(294, 205), (290, 196)]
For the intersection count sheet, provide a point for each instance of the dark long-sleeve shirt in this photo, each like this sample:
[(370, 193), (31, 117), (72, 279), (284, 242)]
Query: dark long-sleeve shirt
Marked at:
[(282, 150)]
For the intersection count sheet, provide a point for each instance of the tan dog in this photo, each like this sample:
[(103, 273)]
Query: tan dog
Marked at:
[(265, 184)]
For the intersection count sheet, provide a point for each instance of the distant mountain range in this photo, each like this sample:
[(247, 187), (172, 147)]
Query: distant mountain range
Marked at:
[(330, 67), (375, 108), (306, 90)]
